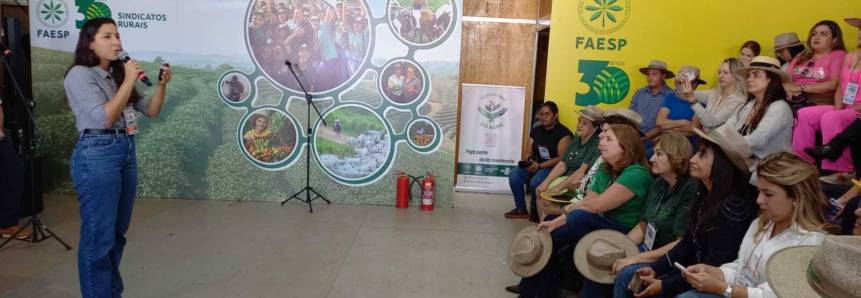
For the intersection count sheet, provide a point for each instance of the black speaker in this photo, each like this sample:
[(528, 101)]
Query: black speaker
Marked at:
[(29, 197)]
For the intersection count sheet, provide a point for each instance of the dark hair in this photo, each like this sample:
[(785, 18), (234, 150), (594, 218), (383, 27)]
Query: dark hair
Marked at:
[(552, 106), (753, 46), (807, 54), (84, 56), (793, 51), (727, 181), (774, 92)]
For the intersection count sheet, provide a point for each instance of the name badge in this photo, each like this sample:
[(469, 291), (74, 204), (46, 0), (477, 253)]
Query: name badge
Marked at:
[(747, 278), (545, 154), (849, 95), (131, 122), (650, 237)]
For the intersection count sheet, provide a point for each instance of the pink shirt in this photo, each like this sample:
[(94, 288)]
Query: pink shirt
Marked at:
[(846, 77), (821, 70)]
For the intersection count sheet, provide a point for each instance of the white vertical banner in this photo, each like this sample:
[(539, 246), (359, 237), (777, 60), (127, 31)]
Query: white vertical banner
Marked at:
[(491, 137)]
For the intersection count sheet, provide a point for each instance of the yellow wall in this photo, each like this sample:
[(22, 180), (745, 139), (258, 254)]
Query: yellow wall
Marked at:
[(700, 33)]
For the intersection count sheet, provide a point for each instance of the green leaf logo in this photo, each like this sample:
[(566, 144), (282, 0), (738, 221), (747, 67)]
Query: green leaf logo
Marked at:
[(492, 110), (53, 13), (98, 10), (607, 85), (612, 14)]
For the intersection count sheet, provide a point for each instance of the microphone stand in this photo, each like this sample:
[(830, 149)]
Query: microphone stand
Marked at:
[(39, 228), (308, 189)]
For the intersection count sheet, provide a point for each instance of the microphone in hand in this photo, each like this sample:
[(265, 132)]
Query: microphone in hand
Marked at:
[(142, 75)]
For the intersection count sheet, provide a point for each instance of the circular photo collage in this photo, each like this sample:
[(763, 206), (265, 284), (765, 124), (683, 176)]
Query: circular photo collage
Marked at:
[(422, 133), (269, 136), (325, 41), (236, 88), (355, 145), (420, 22), (402, 82)]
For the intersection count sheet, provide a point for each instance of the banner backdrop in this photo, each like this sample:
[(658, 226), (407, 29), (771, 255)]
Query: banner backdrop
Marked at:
[(383, 73), (598, 46), (490, 137)]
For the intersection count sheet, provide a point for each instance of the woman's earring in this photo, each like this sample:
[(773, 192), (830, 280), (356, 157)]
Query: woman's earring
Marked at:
[(794, 204)]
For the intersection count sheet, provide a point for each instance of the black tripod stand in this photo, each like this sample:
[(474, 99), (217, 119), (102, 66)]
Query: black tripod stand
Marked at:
[(308, 189), (39, 229)]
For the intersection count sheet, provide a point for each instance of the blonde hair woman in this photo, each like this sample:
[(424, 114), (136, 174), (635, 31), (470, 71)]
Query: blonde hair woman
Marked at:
[(792, 213), (721, 101)]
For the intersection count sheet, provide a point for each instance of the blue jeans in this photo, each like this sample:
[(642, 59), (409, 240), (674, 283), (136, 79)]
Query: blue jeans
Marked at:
[(577, 225), (518, 177), (621, 288), (697, 294), (104, 170)]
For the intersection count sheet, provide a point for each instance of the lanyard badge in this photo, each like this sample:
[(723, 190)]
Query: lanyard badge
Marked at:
[(131, 122)]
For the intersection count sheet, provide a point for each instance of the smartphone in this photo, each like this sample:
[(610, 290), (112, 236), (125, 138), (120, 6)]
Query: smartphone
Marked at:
[(636, 285), (161, 72), (682, 268), (690, 76)]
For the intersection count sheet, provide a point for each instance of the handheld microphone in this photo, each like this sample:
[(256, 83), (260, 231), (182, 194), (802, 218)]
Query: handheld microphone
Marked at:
[(142, 76)]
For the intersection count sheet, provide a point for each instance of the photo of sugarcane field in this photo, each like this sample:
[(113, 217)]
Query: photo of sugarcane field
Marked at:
[(193, 150)]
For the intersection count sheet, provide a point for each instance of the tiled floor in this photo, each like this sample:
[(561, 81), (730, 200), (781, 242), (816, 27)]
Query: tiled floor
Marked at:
[(180, 248)]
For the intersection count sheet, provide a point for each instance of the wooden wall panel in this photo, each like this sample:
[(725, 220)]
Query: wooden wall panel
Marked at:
[(505, 9), (498, 54), (545, 8)]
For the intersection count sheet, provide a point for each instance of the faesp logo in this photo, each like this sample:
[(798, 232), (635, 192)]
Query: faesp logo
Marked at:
[(491, 107), (91, 10), (607, 17), (607, 84), (53, 14)]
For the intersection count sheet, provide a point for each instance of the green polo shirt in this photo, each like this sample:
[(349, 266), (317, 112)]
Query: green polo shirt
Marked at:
[(673, 208), (636, 178), (577, 154)]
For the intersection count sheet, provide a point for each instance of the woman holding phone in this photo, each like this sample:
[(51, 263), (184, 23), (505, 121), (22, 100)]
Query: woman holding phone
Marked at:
[(102, 94)]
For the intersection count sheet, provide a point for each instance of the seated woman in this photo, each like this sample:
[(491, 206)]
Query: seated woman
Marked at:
[(793, 214), (815, 72), (618, 192), (664, 218), (676, 115), (581, 153), (723, 207), (766, 119), (721, 101), (546, 142), (831, 120), (786, 47)]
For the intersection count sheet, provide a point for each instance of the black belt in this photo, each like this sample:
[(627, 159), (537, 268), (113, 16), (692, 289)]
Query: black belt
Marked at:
[(105, 131)]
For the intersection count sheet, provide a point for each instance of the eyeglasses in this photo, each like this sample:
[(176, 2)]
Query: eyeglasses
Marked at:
[(544, 115), (806, 71)]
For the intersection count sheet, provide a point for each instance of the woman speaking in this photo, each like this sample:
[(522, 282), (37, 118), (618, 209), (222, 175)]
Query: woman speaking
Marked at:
[(101, 92)]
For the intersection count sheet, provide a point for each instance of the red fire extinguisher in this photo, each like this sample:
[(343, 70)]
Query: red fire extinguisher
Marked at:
[(403, 193), (428, 191)]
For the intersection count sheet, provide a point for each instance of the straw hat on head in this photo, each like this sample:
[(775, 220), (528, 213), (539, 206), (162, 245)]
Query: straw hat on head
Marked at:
[(765, 63), (855, 22), (786, 40), (695, 70), (529, 251), (659, 65), (832, 270), (592, 113), (631, 115), (597, 251), (733, 145)]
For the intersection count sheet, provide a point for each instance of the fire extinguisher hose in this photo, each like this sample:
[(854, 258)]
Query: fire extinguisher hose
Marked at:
[(415, 181)]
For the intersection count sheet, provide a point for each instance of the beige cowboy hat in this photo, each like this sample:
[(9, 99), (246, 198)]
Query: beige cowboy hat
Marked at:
[(631, 115), (592, 113), (733, 145), (767, 64), (786, 40), (659, 65), (695, 70), (529, 251), (855, 22), (596, 252), (832, 270)]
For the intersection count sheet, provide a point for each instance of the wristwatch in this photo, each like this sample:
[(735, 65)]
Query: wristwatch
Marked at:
[(728, 292)]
